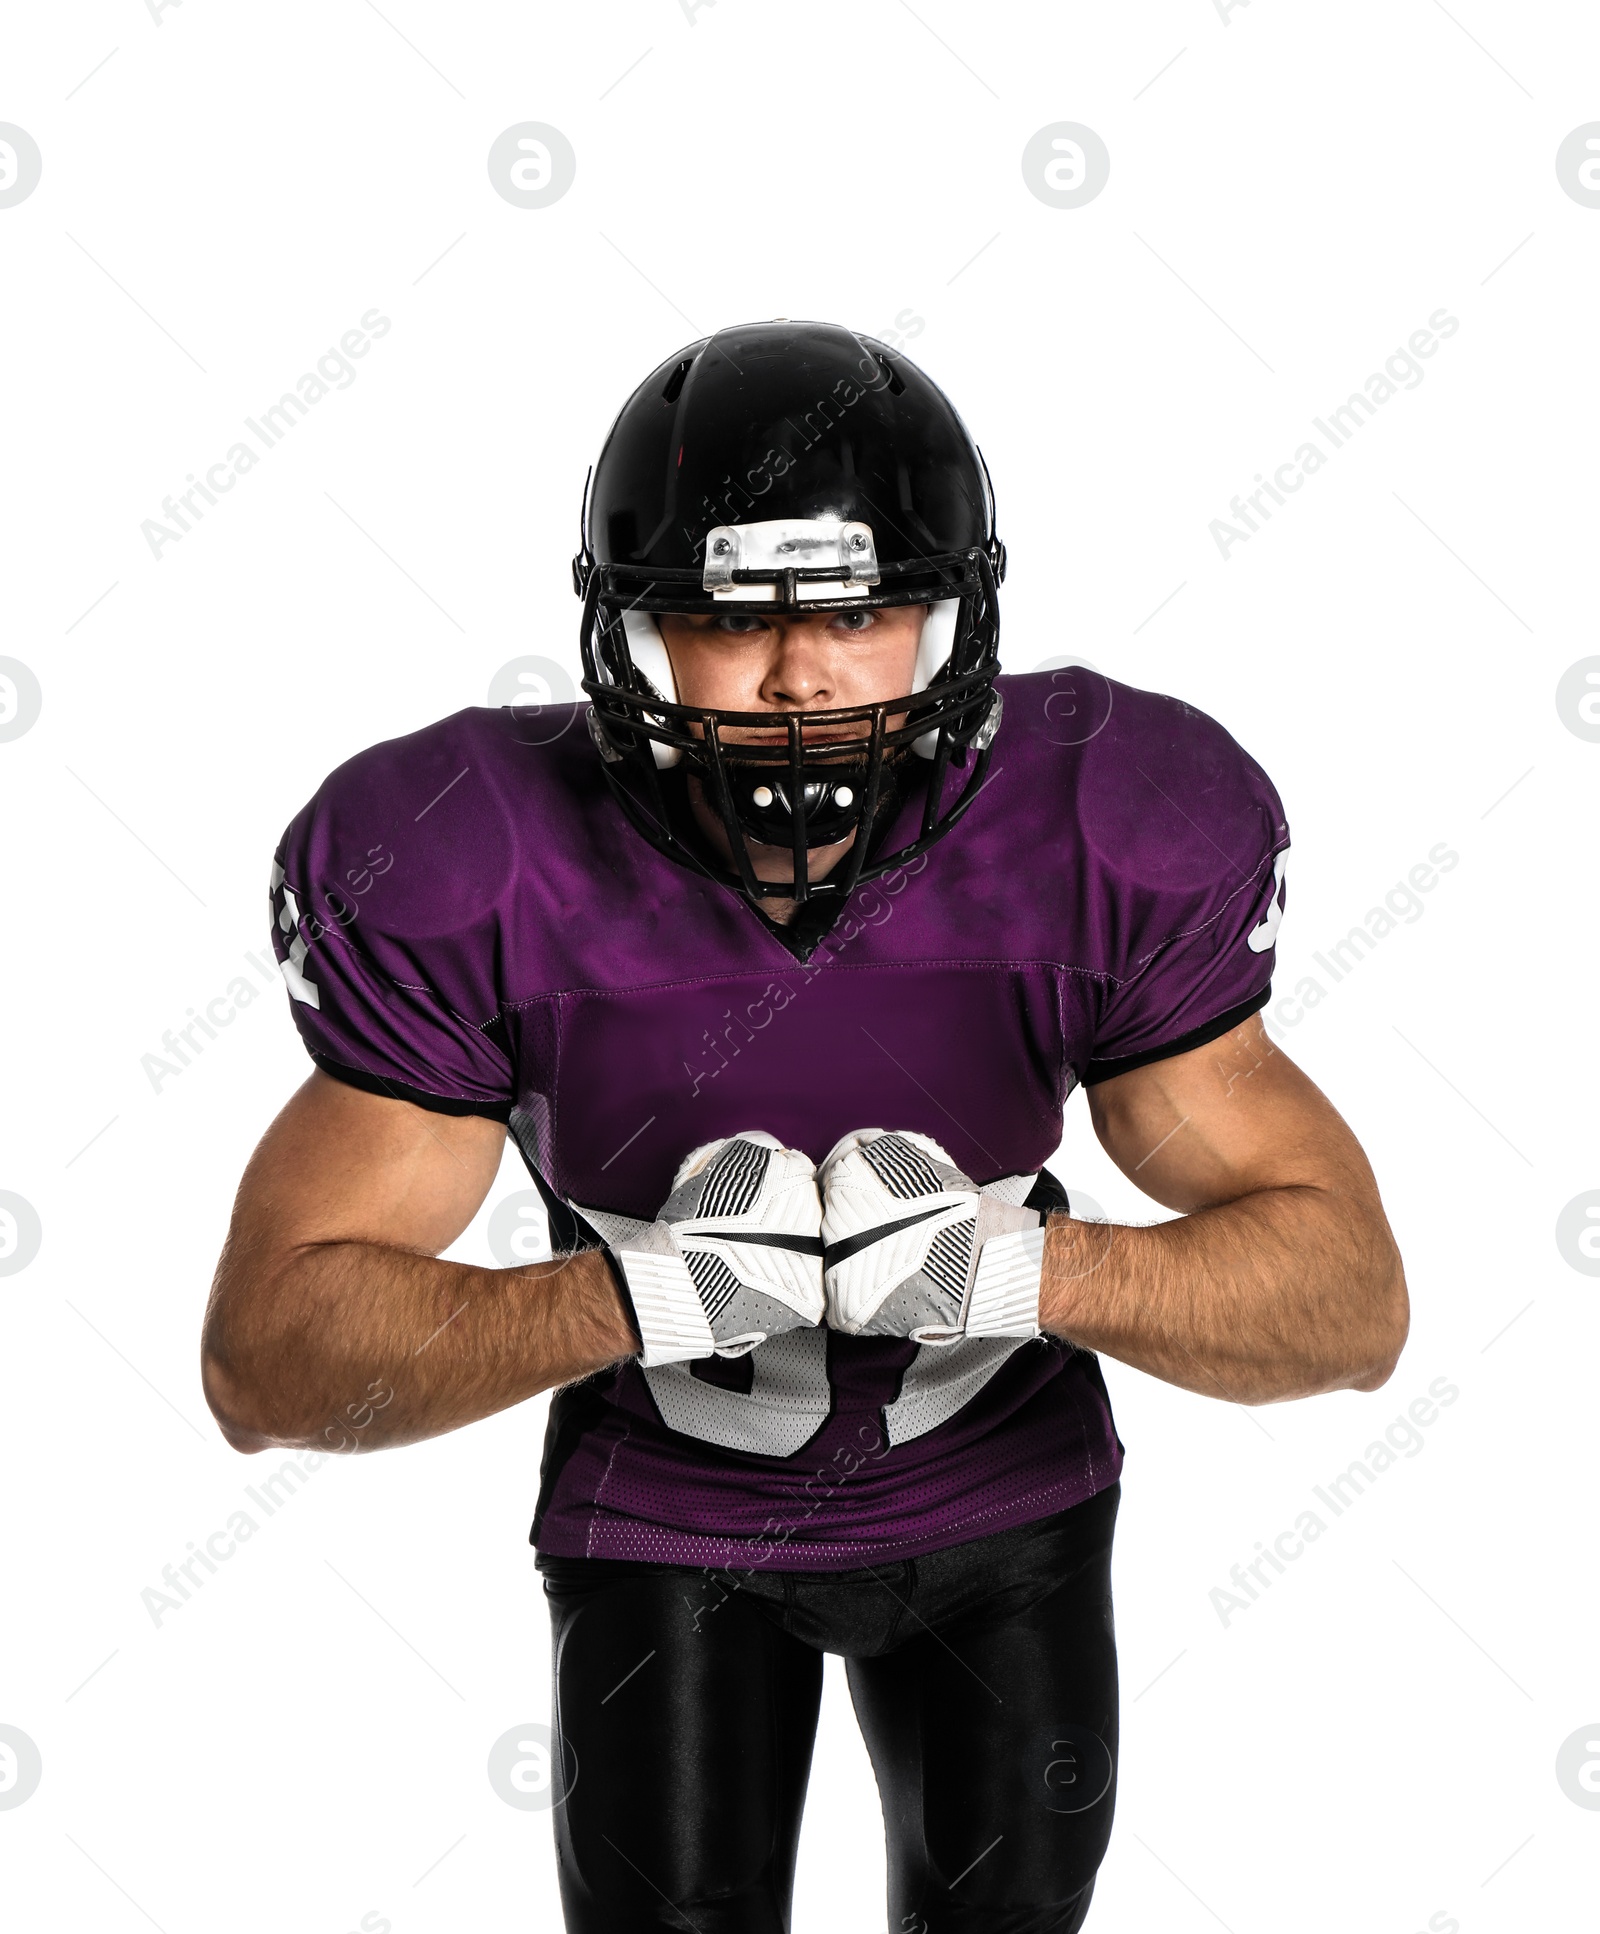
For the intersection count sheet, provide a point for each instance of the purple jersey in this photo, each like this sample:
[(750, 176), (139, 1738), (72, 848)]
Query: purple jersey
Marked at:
[(466, 921)]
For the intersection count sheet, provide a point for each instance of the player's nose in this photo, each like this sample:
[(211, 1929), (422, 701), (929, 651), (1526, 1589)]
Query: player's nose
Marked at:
[(798, 672)]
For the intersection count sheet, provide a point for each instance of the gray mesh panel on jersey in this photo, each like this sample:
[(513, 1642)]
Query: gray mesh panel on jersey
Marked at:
[(940, 1379), (790, 1397), (902, 1168), (786, 1405), (620, 1231)]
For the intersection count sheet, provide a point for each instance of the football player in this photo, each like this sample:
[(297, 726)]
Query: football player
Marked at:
[(779, 960)]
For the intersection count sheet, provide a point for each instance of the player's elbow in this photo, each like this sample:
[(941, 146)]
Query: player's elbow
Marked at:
[(246, 1391), (232, 1402), (1389, 1317)]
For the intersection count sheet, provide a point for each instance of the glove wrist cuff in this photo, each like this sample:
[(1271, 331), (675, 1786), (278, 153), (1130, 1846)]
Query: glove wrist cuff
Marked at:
[(667, 1310), (619, 1282), (1004, 1298)]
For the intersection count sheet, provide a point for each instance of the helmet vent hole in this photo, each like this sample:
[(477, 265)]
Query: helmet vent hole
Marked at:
[(676, 380), (897, 383)]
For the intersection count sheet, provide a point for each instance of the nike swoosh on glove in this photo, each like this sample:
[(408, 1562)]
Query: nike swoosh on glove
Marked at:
[(734, 1257), (913, 1247)]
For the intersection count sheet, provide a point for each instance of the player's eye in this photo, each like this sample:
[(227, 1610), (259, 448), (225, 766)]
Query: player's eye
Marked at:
[(740, 623), (855, 620)]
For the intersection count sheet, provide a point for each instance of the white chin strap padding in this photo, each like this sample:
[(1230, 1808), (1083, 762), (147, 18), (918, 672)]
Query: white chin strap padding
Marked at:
[(938, 637), (648, 650)]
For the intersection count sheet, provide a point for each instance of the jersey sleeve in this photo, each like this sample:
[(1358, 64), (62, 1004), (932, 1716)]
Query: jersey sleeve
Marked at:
[(390, 981), (1199, 903)]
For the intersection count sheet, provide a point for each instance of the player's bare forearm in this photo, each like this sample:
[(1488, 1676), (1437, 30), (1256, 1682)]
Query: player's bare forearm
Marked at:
[(361, 1346), (333, 1321), (1281, 1294), (1280, 1279)]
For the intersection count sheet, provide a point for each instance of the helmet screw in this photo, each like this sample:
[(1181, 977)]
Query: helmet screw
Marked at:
[(843, 796), (721, 547), (762, 795)]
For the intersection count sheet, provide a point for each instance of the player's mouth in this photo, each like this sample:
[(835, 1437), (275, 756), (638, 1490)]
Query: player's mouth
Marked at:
[(806, 738), (809, 735)]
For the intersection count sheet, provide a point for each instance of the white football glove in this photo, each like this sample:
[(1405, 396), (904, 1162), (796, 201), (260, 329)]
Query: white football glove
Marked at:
[(734, 1257), (913, 1247)]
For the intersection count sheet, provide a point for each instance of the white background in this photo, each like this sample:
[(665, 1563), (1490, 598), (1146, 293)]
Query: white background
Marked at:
[(1294, 190)]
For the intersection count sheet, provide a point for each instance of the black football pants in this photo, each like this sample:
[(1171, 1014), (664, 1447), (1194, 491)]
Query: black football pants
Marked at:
[(984, 1678)]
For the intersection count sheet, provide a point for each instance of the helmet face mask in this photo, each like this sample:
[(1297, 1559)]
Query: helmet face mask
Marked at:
[(858, 488)]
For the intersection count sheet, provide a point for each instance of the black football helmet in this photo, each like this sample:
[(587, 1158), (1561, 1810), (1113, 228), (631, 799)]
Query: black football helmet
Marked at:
[(791, 467)]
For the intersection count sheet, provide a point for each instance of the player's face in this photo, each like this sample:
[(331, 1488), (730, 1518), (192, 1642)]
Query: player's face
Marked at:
[(825, 662), (820, 663)]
